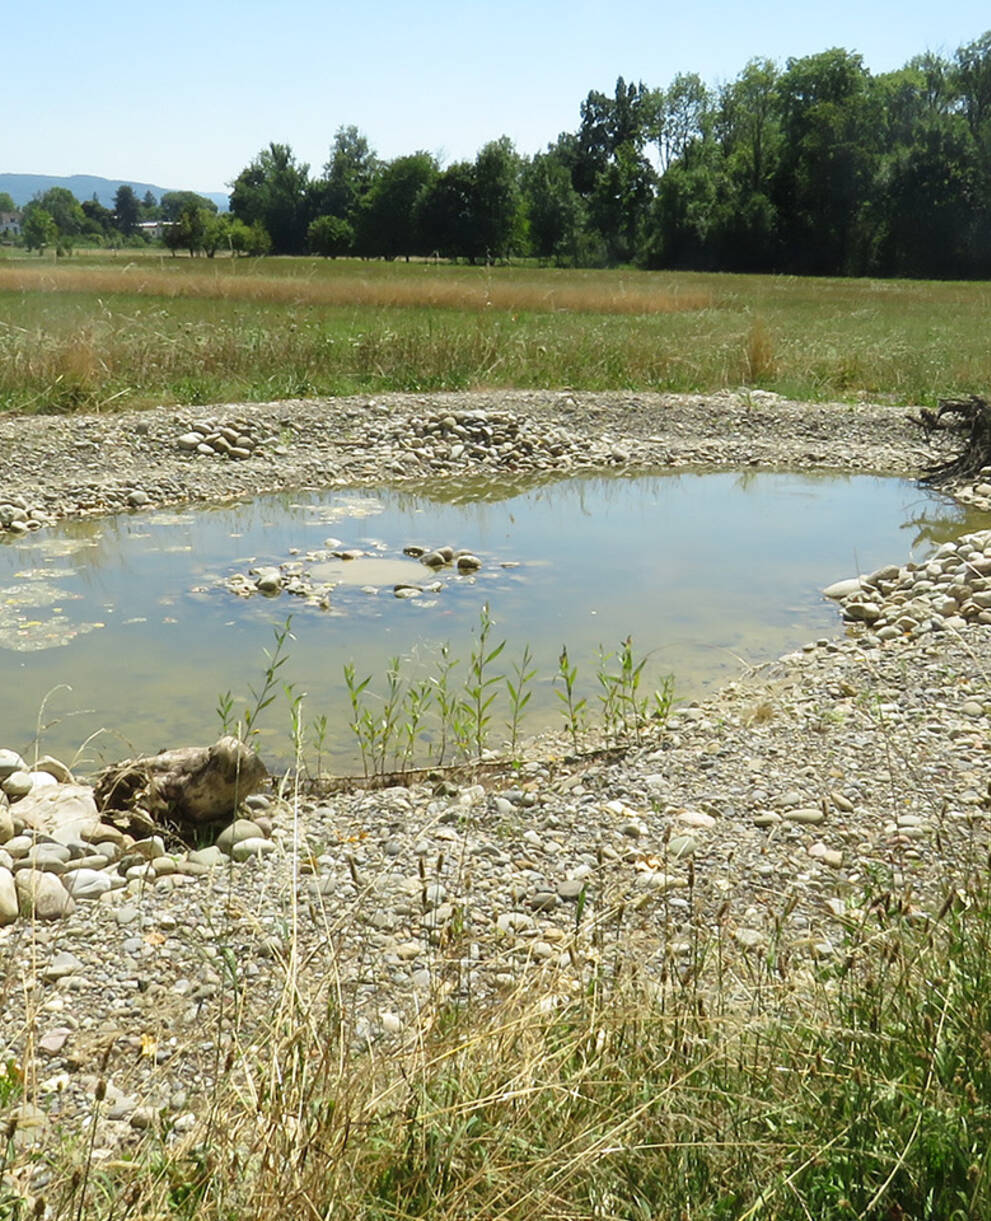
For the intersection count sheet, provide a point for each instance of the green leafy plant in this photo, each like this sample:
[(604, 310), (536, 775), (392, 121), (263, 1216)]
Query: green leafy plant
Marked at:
[(245, 725), (318, 739), (391, 709), (416, 704), (518, 687), (481, 687), (626, 709), (575, 708), (360, 724), (445, 698)]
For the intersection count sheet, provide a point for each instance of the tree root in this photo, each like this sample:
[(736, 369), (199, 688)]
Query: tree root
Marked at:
[(181, 789), (967, 420)]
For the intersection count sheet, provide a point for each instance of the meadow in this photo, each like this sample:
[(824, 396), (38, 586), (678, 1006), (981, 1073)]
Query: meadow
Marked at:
[(100, 331), (718, 1084)]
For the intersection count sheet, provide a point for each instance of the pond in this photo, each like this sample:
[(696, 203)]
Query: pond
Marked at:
[(121, 635)]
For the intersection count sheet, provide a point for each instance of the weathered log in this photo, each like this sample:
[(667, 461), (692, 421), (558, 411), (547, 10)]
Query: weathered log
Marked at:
[(969, 422), (184, 788)]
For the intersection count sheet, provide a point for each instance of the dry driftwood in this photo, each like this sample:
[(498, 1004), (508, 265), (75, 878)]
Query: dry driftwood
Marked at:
[(183, 788), (968, 421)]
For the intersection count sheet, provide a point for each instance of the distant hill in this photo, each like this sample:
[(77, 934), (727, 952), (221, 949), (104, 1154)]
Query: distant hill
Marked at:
[(24, 187)]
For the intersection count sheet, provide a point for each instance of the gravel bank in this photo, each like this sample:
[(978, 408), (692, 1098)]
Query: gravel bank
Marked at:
[(53, 467), (858, 764)]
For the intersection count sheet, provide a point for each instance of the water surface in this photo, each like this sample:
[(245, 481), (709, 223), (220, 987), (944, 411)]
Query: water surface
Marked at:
[(706, 571)]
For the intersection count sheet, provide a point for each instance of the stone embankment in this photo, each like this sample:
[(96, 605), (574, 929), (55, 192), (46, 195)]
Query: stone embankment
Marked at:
[(61, 466), (770, 816)]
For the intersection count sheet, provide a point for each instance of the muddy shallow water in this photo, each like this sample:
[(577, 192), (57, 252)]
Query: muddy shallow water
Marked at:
[(707, 571)]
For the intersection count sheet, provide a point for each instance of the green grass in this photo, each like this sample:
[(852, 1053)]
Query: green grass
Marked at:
[(95, 332)]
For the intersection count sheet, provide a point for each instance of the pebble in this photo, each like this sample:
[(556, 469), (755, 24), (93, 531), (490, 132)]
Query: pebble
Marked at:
[(254, 846), (63, 964), (806, 815), (239, 830)]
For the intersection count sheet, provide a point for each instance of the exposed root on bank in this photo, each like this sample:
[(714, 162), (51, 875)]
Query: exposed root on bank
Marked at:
[(968, 420)]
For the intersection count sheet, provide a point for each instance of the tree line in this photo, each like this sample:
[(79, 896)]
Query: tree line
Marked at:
[(816, 167), (55, 219)]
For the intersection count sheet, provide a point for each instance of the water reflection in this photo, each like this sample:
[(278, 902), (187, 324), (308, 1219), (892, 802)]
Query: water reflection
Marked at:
[(706, 570)]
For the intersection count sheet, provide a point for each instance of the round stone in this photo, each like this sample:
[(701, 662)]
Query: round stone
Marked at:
[(240, 829), (18, 784), (42, 895), (253, 847), (87, 883), (11, 761)]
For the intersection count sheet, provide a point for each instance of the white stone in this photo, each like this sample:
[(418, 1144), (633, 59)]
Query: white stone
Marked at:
[(843, 589), (87, 883), (8, 897), (254, 846), (64, 812), (42, 895)]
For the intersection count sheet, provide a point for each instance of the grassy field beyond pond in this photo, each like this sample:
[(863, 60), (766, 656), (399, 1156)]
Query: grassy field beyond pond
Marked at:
[(99, 331)]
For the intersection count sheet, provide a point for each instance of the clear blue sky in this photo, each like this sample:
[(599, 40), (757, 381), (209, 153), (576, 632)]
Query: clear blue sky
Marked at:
[(184, 94)]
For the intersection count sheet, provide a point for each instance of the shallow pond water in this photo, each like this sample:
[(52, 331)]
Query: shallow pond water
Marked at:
[(706, 571)]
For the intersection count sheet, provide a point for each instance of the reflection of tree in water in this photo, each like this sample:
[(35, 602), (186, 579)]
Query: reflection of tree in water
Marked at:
[(933, 528), (494, 489), (746, 479)]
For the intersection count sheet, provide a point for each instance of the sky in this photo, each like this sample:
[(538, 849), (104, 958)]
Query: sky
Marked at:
[(185, 94)]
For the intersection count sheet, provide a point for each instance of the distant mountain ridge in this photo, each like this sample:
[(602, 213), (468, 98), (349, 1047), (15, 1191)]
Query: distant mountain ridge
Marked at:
[(24, 187)]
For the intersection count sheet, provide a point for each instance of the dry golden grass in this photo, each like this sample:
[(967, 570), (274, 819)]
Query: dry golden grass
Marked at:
[(428, 290), (759, 365)]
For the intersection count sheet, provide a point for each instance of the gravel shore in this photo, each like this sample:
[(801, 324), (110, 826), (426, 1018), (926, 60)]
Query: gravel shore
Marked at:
[(62, 466), (857, 765)]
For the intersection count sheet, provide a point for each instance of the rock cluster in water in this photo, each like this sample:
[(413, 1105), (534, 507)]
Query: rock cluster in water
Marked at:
[(56, 850), (443, 557), (949, 590), (18, 515), (237, 439), (297, 577)]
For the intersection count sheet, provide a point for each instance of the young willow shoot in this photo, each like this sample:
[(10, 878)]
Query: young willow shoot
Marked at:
[(575, 708), (246, 724), (481, 687), (519, 690), (431, 716)]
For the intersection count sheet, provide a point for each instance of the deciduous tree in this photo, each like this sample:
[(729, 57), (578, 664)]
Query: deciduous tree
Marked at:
[(347, 176), (38, 228), (330, 236), (273, 191), (388, 223)]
